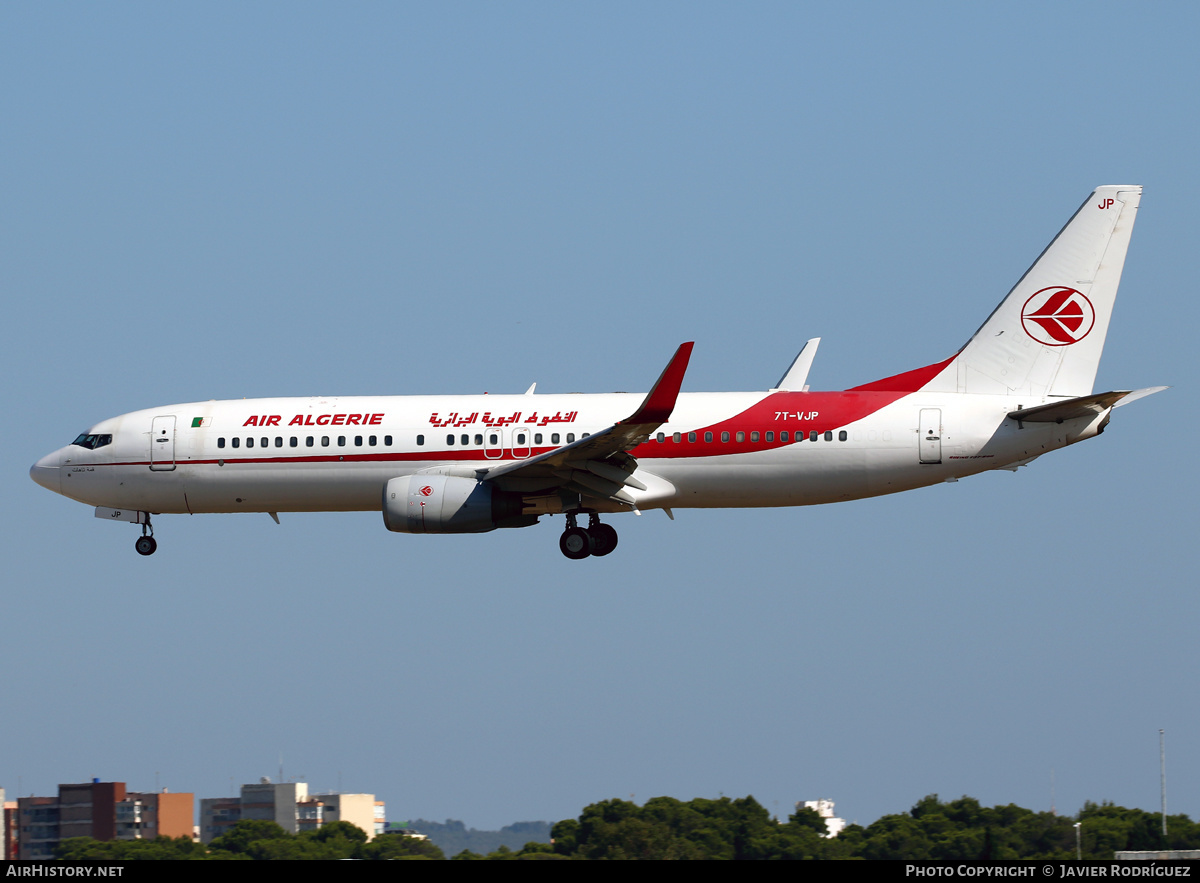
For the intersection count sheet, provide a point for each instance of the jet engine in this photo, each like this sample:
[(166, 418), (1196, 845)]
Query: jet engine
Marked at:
[(430, 503)]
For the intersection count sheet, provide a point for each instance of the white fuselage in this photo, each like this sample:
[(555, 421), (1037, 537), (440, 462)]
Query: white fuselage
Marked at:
[(717, 449)]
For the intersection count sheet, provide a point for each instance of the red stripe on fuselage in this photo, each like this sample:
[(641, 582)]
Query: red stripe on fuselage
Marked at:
[(909, 381), (794, 412)]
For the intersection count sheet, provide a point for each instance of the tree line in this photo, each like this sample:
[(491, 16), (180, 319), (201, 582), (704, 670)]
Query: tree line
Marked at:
[(730, 829)]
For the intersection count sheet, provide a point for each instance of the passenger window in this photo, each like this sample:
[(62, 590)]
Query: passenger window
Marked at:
[(324, 441), (661, 437), (812, 436), (420, 440), (691, 436), (358, 440), (341, 441), (308, 441), (783, 436), (708, 436), (249, 442), (828, 436), (264, 442), (220, 443), (387, 440), (493, 440), (537, 438), (570, 437), (554, 438), (842, 435), (479, 439), (754, 436), (235, 441), (450, 440), (724, 436), (466, 439), (677, 437), (741, 436), (371, 440), (293, 441), (279, 441), (770, 436)]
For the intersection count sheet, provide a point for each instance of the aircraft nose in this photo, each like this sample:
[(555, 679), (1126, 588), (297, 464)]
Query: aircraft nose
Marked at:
[(46, 472)]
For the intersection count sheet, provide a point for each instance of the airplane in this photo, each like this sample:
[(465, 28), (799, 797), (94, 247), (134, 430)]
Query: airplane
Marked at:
[(1021, 386)]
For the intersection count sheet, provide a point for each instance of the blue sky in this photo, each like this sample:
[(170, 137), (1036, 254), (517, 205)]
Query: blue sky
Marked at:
[(227, 200)]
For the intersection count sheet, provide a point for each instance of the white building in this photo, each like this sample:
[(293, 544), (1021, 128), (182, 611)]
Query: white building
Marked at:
[(291, 807), (824, 808)]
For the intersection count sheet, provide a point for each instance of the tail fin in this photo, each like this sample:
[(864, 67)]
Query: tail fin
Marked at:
[(1046, 337)]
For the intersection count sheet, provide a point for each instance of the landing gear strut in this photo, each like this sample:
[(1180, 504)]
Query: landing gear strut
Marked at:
[(146, 544), (578, 543)]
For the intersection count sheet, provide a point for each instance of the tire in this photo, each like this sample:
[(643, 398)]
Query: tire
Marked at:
[(604, 539), (575, 543), (145, 545)]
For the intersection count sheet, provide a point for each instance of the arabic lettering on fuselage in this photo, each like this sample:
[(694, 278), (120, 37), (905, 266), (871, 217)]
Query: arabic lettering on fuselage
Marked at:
[(454, 418)]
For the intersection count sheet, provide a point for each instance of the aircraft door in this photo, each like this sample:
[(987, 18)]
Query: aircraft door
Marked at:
[(162, 444), (493, 442), (520, 442), (931, 435)]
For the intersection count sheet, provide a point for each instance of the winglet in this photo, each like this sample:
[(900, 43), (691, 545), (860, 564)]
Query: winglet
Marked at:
[(660, 401), (796, 378)]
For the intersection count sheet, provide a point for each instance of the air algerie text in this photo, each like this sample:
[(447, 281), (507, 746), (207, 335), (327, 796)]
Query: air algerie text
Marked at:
[(318, 420)]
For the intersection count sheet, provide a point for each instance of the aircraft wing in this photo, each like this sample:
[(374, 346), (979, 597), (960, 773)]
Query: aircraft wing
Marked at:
[(599, 465)]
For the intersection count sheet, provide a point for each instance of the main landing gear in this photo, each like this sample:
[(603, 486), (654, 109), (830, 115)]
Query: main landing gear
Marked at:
[(146, 544), (578, 543)]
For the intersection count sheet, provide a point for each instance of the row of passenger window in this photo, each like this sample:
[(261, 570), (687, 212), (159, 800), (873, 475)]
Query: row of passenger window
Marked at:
[(309, 441), (784, 436), (493, 440), (519, 440)]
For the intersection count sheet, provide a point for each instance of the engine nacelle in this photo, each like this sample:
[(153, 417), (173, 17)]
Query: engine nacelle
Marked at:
[(426, 503)]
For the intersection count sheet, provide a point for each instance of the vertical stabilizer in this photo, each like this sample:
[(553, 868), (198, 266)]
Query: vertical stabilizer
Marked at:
[(1046, 337)]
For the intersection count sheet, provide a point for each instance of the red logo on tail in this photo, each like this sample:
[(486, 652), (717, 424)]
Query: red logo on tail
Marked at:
[(1058, 316)]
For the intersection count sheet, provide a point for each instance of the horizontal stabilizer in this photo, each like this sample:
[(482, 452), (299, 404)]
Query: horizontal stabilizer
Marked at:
[(1084, 406), (1139, 394)]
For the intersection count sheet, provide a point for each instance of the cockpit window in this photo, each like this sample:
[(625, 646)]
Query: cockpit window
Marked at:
[(91, 442)]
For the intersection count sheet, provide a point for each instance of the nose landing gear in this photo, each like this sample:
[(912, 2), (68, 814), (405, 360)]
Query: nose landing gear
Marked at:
[(578, 543)]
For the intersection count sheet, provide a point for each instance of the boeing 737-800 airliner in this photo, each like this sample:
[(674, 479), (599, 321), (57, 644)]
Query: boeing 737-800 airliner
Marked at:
[(1021, 386)]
